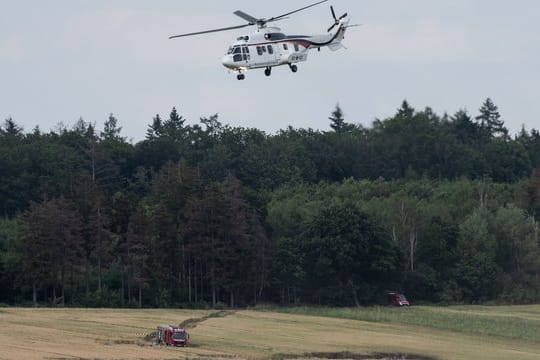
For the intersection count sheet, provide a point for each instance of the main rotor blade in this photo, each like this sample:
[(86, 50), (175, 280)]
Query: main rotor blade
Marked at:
[(210, 31), (333, 13), (246, 17), (295, 11)]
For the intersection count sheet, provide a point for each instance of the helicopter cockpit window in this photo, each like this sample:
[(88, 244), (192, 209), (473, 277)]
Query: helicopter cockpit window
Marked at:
[(270, 49), (245, 51), (235, 50), (237, 57)]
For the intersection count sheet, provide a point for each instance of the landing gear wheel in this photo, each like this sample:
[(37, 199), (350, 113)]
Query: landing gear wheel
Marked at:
[(241, 76), (268, 71), (294, 68)]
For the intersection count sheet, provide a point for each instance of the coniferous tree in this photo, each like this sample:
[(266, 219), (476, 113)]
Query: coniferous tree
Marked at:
[(464, 128), (51, 247), (490, 120), (155, 130), (405, 111), (135, 254), (205, 243), (533, 191), (338, 123), (244, 235), (531, 142), (10, 129), (111, 130), (173, 127)]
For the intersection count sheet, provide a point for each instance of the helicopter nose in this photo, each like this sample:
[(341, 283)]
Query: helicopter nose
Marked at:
[(227, 61)]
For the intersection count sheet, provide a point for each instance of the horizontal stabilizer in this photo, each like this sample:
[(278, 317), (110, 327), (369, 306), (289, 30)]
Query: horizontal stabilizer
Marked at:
[(336, 46)]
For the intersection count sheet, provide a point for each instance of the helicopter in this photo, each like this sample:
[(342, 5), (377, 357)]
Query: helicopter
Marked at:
[(268, 46)]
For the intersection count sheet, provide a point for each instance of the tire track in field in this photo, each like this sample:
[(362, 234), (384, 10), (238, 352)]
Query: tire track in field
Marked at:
[(193, 322)]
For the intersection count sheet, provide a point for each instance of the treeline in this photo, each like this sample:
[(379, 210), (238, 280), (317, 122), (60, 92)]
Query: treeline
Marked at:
[(442, 207)]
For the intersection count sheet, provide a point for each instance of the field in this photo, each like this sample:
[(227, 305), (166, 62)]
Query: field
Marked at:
[(366, 333)]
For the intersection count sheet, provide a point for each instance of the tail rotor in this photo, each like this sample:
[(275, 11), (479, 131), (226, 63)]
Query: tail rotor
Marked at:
[(336, 19)]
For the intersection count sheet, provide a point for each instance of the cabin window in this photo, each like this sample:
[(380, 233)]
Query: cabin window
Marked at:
[(270, 49), (285, 47), (296, 47), (259, 50)]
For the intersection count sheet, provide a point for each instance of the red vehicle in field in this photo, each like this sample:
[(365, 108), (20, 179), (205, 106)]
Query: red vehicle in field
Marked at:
[(395, 298), (171, 335)]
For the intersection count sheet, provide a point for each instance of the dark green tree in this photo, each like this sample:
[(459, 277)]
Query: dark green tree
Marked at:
[(51, 246), (490, 121), (338, 123), (111, 130), (345, 252), (155, 130), (135, 254), (10, 129), (173, 127), (477, 270)]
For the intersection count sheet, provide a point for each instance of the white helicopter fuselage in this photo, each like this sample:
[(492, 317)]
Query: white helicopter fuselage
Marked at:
[(269, 47)]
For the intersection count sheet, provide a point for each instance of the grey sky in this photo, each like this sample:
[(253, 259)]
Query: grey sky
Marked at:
[(65, 59)]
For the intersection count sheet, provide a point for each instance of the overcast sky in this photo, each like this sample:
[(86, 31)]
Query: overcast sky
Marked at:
[(65, 59)]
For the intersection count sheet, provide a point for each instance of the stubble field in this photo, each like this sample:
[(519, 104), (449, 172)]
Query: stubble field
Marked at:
[(368, 333)]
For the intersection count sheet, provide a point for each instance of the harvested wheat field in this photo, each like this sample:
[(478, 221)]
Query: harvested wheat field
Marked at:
[(123, 334)]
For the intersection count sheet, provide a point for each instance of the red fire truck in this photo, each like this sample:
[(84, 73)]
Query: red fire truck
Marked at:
[(171, 335)]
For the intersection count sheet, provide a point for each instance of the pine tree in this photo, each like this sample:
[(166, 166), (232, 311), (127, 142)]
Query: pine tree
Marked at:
[(490, 120), (406, 111), (156, 129), (464, 127), (173, 127), (338, 123), (111, 130), (51, 248), (10, 129)]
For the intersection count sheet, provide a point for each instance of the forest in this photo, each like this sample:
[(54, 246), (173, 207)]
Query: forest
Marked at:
[(442, 207)]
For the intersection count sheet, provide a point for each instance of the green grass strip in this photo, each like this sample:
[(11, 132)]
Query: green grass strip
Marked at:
[(509, 322)]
